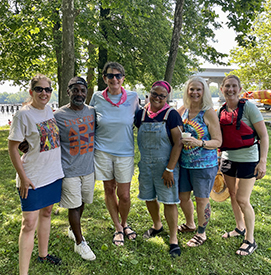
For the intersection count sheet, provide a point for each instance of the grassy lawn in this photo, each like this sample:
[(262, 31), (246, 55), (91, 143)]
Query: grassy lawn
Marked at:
[(216, 256)]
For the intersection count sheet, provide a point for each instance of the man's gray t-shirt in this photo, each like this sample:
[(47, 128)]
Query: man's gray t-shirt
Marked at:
[(76, 129)]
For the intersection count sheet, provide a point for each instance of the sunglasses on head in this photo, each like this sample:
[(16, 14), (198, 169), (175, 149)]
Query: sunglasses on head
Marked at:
[(39, 89), (111, 76), (155, 95)]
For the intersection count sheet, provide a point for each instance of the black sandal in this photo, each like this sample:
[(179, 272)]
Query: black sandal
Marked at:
[(174, 250), (240, 233), (121, 242), (129, 234), (152, 233), (249, 249)]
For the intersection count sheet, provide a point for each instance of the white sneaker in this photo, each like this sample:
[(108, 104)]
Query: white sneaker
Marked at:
[(84, 251), (71, 235)]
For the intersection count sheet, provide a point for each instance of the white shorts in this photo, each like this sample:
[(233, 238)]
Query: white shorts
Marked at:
[(108, 167), (77, 190)]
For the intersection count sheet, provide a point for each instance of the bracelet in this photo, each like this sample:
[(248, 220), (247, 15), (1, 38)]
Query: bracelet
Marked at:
[(219, 157), (203, 144), (169, 170)]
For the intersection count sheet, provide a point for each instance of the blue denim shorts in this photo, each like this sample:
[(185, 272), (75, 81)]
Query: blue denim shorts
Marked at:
[(151, 184), (201, 181)]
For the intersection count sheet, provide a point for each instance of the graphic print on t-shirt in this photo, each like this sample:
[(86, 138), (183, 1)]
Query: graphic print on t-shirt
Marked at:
[(82, 138), (49, 135)]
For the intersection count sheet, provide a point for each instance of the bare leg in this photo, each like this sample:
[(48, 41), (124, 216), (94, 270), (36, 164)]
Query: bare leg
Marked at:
[(26, 239), (243, 200), (171, 215), (233, 185), (187, 208), (75, 215), (153, 208), (44, 226), (123, 193), (204, 214)]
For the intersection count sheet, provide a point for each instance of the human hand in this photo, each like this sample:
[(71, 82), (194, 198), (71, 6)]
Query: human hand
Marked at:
[(168, 178), (261, 170), (24, 146), (191, 141), (23, 189)]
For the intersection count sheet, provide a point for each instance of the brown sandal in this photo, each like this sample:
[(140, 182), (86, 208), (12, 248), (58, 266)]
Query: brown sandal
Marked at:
[(196, 241), (184, 229)]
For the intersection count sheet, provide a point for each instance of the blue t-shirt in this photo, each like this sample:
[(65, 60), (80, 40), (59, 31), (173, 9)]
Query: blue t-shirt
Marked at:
[(114, 125)]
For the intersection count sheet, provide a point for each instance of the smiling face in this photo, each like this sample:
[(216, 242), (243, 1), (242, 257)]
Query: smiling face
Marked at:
[(195, 92), (231, 89), (158, 98), (114, 84), (39, 100), (77, 94)]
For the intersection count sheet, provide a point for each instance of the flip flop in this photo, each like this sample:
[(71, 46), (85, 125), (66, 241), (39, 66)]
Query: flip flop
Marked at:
[(150, 233), (184, 229), (196, 241), (129, 234), (240, 233), (121, 242)]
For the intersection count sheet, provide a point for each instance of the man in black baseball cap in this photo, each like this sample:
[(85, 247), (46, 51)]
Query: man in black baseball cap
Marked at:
[(77, 80)]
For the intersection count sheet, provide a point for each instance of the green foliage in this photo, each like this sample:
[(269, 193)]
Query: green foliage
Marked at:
[(138, 35), (20, 97), (254, 60), (141, 257)]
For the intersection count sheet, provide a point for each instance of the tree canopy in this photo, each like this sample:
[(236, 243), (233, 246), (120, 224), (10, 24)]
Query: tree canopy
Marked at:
[(135, 33), (254, 59)]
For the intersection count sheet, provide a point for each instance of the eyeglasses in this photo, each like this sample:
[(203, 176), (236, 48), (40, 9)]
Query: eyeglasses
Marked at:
[(76, 90), (155, 95), (39, 89), (111, 76)]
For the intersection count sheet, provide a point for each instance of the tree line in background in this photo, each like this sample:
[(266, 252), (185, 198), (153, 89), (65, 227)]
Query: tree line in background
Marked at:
[(153, 39), (20, 97)]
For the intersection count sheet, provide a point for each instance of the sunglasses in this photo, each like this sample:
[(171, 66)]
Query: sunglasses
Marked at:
[(111, 76), (39, 89), (155, 95)]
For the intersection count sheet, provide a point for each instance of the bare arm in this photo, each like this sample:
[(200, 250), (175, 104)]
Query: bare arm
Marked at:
[(17, 163), (264, 145), (174, 156)]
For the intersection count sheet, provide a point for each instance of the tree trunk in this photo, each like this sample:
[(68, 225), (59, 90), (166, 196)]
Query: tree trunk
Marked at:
[(58, 48), (67, 71), (102, 49), (178, 20), (90, 74)]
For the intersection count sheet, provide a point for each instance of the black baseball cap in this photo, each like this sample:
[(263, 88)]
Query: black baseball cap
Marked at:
[(77, 80)]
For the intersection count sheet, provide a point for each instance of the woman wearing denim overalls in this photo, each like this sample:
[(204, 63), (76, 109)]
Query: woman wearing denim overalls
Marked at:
[(160, 146)]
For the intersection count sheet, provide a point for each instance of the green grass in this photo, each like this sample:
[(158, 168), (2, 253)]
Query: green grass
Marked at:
[(216, 256)]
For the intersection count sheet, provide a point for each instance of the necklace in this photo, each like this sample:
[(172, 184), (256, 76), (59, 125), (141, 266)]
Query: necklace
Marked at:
[(78, 113)]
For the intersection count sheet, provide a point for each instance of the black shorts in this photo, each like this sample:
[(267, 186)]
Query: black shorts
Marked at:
[(241, 170)]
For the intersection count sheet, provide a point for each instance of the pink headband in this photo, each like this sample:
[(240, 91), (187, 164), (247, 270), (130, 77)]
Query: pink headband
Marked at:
[(163, 84)]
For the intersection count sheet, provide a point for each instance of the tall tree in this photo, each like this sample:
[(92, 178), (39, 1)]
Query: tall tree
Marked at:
[(177, 27), (67, 71)]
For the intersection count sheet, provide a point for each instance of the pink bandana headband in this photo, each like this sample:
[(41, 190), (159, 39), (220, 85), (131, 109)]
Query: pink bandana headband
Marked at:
[(163, 84), (122, 99)]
